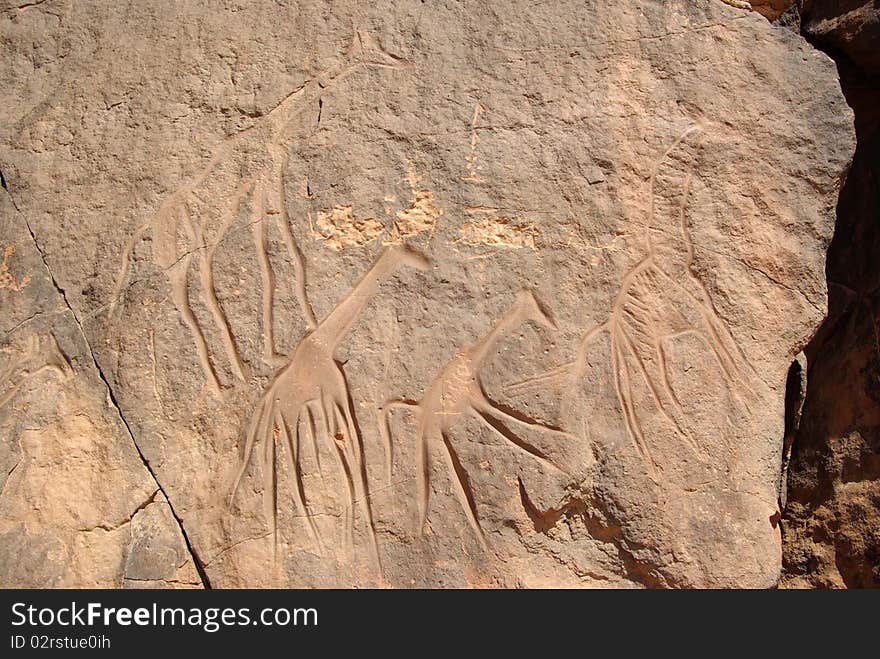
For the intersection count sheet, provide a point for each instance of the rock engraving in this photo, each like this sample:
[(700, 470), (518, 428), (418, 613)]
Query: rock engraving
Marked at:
[(312, 389), (205, 207), (40, 353), (457, 390), (660, 299)]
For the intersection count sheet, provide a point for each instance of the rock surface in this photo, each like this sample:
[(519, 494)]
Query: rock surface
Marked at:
[(770, 9), (847, 28), (415, 294), (78, 508), (831, 525)]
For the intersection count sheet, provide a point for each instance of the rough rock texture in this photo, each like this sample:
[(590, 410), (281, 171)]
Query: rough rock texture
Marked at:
[(78, 508), (771, 9), (831, 525), (848, 29), (431, 294)]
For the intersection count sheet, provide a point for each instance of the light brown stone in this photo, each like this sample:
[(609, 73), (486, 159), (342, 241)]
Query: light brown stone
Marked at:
[(75, 494), (561, 361)]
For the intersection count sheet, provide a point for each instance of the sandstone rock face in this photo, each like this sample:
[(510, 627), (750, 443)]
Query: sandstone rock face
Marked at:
[(78, 508), (770, 9), (832, 519), (423, 294), (847, 27)]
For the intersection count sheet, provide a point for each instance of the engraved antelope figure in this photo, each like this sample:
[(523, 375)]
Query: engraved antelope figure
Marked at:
[(660, 299), (248, 166), (313, 386), (457, 390)]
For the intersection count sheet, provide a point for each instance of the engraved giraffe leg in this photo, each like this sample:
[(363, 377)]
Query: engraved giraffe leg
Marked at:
[(462, 488), (330, 427), (270, 479), (124, 267), (426, 429), (261, 426), (498, 420), (710, 328), (278, 200), (715, 334), (730, 369), (338, 404), (313, 435), (299, 496), (727, 350), (170, 218), (261, 242), (209, 293), (646, 360), (625, 398), (253, 429), (362, 492), (577, 369), (385, 428), (663, 366), (384, 425), (180, 297)]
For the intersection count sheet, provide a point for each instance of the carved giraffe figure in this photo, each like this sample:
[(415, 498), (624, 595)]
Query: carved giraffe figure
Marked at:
[(250, 166), (456, 390), (41, 353), (313, 379), (659, 300)]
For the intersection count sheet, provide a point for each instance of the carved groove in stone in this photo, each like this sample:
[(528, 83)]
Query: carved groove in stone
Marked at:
[(263, 150), (457, 390), (313, 377), (41, 353), (659, 300)]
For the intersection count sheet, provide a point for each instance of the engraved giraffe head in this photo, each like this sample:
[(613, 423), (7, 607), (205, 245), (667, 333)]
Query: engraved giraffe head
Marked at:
[(366, 49), (531, 309), (410, 257)]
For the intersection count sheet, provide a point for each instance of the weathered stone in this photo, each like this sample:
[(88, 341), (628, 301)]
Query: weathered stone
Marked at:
[(832, 519), (770, 9), (417, 294), (847, 28), (73, 484)]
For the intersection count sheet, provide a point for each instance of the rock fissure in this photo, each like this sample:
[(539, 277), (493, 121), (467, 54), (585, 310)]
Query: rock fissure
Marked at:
[(202, 575), (374, 322)]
